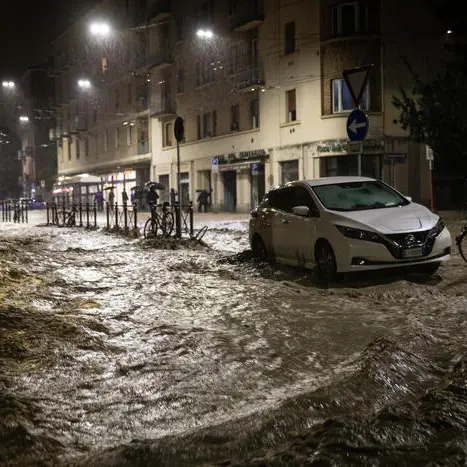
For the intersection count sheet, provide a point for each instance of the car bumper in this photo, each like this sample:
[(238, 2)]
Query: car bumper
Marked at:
[(358, 255)]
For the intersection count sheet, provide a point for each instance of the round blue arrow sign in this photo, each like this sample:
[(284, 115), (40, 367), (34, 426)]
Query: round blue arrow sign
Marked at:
[(357, 125)]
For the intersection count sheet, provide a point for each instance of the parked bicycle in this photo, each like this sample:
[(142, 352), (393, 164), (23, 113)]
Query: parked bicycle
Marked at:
[(162, 223), (461, 245)]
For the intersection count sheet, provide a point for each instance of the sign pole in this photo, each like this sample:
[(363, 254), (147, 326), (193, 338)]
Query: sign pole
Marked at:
[(179, 185), (432, 200), (360, 155)]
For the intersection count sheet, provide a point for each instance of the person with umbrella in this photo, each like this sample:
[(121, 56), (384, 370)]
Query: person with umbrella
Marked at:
[(111, 199), (152, 196)]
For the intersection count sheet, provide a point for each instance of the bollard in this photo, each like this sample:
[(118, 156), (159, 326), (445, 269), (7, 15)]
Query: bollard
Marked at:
[(108, 214), (125, 213), (27, 212), (190, 212), (95, 215), (116, 215), (178, 224), (63, 213), (80, 207), (48, 213), (135, 215)]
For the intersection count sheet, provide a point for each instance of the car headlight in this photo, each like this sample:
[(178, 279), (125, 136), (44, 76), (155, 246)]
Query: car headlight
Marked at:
[(437, 229), (359, 234)]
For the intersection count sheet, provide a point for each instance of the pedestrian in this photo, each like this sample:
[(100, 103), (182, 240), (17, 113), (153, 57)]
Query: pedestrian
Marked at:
[(124, 196), (152, 196), (111, 199), (99, 200), (203, 201)]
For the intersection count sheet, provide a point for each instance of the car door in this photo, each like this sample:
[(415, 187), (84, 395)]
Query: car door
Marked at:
[(302, 231), (280, 220)]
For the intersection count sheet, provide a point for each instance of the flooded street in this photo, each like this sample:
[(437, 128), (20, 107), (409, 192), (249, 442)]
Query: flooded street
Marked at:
[(113, 352)]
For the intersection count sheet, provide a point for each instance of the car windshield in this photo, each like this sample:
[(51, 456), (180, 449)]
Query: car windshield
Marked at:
[(358, 196)]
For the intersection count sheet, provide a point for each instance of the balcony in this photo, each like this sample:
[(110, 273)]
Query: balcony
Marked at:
[(159, 10), (247, 80), (161, 59), (247, 15), (164, 107), (143, 147)]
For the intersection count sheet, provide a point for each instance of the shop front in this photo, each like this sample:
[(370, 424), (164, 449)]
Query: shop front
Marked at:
[(241, 178)]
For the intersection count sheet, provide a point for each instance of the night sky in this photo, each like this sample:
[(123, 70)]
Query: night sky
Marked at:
[(26, 30)]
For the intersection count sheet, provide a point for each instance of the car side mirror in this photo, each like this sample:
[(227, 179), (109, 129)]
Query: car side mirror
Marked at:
[(303, 211)]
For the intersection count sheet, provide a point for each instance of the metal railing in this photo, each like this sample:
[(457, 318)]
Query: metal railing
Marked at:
[(72, 215), (15, 211)]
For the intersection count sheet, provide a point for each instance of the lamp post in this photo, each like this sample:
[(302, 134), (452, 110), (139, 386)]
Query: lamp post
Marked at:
[(8, 84), (84, 84)]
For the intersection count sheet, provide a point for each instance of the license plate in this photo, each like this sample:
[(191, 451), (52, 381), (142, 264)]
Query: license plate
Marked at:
[(416, 252)]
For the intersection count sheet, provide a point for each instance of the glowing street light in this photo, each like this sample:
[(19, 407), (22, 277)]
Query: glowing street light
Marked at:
[(205, 33), (449, 31), (8, 84), (23, 119), (100, 29), (84, 83)]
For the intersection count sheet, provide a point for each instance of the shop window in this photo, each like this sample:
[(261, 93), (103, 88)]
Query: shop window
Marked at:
[(349, 18), (289, 171), (338, 166), (342, 99), (291, 102), (289, 38)]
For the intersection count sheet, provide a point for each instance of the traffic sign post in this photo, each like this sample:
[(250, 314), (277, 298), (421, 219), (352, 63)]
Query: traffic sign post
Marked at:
[(430, 157), (357, 123), (179, 133)]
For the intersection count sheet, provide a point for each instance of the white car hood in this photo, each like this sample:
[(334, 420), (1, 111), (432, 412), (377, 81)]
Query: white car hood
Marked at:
[(409, 218)]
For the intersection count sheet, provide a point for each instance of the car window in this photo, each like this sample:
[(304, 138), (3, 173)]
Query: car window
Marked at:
[(303, 198), (357, 196)]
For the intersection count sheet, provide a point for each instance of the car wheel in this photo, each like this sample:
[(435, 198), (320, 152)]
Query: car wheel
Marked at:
[(326, 261), (428, 269), (259, 248)]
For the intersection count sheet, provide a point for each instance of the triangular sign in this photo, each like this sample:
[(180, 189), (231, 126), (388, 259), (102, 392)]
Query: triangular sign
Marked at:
[(356, 79)]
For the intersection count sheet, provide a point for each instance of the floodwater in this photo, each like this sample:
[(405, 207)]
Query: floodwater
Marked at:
[(117, 352)]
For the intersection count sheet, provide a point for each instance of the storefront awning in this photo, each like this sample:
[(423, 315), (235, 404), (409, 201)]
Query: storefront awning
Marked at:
[(238, 165)]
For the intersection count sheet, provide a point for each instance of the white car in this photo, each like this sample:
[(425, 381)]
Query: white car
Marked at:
[(344, 224)]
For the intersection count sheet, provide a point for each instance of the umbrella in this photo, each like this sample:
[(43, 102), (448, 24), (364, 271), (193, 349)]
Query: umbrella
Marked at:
[(156, 185), (109, 187)]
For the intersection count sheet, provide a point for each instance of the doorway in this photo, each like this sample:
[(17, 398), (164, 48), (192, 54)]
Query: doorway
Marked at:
[(258, 184), (230, 191)]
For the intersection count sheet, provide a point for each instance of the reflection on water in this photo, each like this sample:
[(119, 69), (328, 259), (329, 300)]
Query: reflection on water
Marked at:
[(117, 354)]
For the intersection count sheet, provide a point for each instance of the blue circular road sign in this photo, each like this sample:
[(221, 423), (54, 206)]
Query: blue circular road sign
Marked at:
[(357, 125)]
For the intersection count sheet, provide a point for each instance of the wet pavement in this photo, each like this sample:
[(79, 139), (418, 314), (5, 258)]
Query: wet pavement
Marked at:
[(115, 351)]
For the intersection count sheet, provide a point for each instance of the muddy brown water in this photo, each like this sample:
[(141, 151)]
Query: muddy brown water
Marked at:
[(116, 353)]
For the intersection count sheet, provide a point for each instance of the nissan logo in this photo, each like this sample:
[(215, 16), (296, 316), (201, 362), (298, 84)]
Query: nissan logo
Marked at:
[(409, 240)]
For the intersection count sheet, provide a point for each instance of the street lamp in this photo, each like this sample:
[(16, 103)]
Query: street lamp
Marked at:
[(8, 84), (23, 119), (205, 33), (84, 83), (100, 29)]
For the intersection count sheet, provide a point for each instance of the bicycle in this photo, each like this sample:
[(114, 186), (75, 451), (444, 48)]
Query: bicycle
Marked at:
[(459, 240), (163, 222)]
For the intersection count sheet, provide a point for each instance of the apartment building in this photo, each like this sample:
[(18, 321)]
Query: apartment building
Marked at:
[(260, 86)]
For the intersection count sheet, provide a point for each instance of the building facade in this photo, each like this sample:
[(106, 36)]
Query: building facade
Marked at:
[(260, 87)]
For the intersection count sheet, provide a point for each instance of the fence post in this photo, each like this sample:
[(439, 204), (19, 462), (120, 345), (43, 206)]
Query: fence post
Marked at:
[(190, 211), (80, 207), (87, 215), (125, 214), (27, 211), (107, 205), (95, 215), (178, 225), (135, 215), (116, 216), (48, 214)]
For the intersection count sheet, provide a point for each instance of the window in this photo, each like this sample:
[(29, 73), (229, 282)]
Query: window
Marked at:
[(181, 80), (287, 198), (214, 123), (254, 113), (129, 135), (289, 171), (69, 149), (289, 38), (235, 117), (291, 102), (207, 125), (117, 99), (337, 166), (86, 147), (198, 127), (130, 94), (349, 18), (106, 140), (117, 137), (168, 132), (342, 99), (78, 148), (233, 59)]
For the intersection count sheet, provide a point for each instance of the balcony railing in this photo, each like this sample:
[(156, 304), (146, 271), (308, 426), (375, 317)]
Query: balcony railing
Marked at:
[(249, 79), (247, 15), (162, 108), (160, 10), (163, 57), (143, 147)]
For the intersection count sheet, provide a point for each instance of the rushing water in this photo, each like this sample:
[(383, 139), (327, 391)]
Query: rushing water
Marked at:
[(117, 353)]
